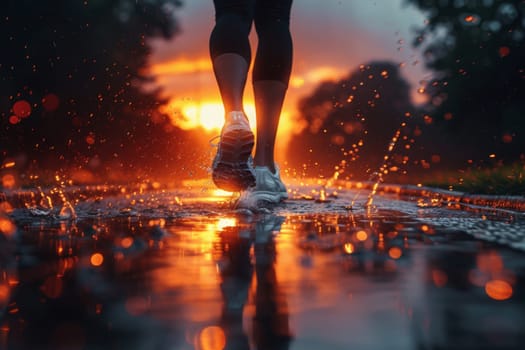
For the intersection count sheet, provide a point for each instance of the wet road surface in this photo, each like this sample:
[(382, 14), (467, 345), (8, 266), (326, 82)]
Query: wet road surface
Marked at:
[(183, 270)]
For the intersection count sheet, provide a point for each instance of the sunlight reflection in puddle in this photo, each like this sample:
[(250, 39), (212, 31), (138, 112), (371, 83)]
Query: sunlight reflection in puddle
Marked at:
[(292, 281)]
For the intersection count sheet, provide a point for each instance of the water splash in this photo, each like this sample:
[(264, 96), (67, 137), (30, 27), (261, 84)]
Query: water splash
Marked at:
[(323, 194), (41, 203), (67, 211), (377, 177), (41, 206)]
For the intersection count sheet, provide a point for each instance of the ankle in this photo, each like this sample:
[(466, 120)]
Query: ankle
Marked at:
[(236, 115), (269, 165)]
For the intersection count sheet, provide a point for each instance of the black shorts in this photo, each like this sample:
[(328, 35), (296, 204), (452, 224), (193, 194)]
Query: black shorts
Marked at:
[(233, 22)]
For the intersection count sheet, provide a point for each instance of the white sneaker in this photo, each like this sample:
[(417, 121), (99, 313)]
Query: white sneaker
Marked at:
[(232, 169), (269, 189), (266, 227)]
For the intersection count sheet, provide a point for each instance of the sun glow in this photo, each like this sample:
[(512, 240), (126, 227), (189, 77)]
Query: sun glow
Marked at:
[(195, 100), (221, 193), (182, 66), (208, 115)]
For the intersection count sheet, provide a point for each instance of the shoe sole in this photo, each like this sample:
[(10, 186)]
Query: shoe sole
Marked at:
[(268, 196), (232, 172), (260, 199)]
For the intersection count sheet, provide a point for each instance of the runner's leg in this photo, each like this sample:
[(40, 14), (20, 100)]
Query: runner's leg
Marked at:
[(271, 73), (230, 49)]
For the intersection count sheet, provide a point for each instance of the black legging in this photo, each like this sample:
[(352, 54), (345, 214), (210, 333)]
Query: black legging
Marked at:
[(233, 21)]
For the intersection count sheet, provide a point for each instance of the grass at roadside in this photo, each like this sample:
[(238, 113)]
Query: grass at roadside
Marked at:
[(508, 180)]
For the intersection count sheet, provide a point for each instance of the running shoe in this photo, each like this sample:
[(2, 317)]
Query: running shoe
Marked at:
[(268, 189), (232, 169), (266, 227)]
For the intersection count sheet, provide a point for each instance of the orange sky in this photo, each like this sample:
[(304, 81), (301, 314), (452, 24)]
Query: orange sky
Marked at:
[(331, 38)]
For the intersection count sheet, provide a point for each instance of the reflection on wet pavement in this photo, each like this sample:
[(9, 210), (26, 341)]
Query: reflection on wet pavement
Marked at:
[(215, 279)]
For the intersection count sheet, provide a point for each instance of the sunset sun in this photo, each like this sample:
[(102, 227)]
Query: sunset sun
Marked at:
[(208, 115)]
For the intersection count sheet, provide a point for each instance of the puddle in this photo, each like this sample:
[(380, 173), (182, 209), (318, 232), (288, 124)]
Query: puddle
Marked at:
[(215, 279)]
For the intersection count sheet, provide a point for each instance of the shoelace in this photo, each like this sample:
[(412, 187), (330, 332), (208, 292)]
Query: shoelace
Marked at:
[(211, 141)]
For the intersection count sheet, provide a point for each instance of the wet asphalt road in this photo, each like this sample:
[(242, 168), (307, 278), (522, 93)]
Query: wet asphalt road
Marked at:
[(184, 270)]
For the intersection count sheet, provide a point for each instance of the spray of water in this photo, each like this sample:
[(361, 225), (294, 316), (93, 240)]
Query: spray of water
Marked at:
[(41, 203), (66, 211), (377, 177)]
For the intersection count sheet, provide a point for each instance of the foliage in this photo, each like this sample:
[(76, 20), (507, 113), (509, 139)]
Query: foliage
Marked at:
[(72, 78), (477, 50)]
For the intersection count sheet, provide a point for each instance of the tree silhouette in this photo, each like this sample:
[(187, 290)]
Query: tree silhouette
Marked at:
[(477, 51), (72, 77), (354, 120)]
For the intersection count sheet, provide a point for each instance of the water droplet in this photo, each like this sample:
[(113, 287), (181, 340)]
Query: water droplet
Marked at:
[(67, 211)]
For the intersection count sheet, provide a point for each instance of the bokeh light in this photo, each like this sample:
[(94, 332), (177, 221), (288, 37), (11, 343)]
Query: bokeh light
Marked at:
[(361, 235), (50, 102), (439, 278), (22, 109), (14, 119), (96, 259), (349, 248), (8, 181), (212, 338), (126, 242), (6, 226), (498, 290), (395, 253), (504, 51), (4, 293)]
